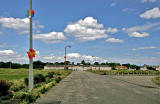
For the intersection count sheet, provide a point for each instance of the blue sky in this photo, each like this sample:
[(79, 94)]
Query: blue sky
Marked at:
[(125, 31)]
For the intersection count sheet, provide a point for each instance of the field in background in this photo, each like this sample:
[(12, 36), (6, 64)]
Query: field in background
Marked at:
[(126, 72), (16, 74)]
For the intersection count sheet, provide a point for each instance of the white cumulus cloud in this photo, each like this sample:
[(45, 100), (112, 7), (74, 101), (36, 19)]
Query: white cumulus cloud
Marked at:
[(152, 13), (88, 29), (138, 31), (114, 40), (20, 25), (52, 37), (7, 52), (74, 55), (138, 35)]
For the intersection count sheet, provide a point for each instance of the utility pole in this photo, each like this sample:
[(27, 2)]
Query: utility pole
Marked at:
[(66, 56), (31, 59)]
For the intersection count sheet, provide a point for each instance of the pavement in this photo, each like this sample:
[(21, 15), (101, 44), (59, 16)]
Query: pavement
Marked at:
[(83, 87)]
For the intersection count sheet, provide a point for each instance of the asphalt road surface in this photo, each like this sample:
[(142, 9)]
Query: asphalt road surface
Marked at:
[(88, 88)]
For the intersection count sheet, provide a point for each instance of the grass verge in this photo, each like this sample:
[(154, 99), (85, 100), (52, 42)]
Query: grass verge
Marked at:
[(156, 80), (19, 90)]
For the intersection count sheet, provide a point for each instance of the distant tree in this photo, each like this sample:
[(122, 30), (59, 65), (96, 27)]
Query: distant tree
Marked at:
[(127, 65), (137, 67), (88, 63), (16, 66), (150, 68), (96, 63), (83, 62), (25, 66), (114, 64), (38, 64), (68, 63), (103, 63), (72, 63)]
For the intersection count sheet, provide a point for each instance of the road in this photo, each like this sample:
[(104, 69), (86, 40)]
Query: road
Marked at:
[(88, 88)]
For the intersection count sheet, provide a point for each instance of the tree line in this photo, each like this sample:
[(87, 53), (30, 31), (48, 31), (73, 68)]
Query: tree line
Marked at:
[(40, 65)]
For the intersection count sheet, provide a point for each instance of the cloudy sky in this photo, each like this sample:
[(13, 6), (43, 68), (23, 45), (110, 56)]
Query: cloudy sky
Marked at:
[(124, 31)]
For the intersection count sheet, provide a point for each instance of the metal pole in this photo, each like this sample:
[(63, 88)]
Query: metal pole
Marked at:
[(10, 65), (31, 59), (65, 59)]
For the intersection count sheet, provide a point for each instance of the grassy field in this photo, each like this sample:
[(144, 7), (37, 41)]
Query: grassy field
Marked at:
[(18, 89), (16, 74), (126, 72)]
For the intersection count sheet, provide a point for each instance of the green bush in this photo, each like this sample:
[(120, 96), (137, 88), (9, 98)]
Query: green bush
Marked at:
[(37, 85), (37, 79), (17, 85), (48, 80), (156, 80), (30, 98), (9, 96), (20, 95), (43, 90), (26, 81), (58, 79), (50, 74), (4, 88), (26, 96)]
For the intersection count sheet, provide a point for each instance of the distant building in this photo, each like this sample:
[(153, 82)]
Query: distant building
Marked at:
[(57, 67), (158, 68), (78, 67), (144, 68), (121, 67)]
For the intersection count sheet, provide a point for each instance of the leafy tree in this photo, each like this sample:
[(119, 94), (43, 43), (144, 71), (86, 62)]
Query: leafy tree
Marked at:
[(103, 63), (151, 68), (38, 64), (96, 63), (83, 62), (72, 63)]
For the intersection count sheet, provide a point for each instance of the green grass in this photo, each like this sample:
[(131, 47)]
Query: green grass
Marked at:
[(156, 80), (16, 74), (126, 72), (19, 90)]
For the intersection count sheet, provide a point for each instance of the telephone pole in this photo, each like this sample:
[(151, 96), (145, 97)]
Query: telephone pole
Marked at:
[(31, 59)]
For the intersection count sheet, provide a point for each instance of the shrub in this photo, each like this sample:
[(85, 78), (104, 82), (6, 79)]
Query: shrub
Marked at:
[(6, 97), (50, 74), (37, 85), (43, 90), (37, 79), (30, 98), (4, 87), (26, 96), (156, 80), (48, 80), (19, 95), (26, 81), (58, 79), (17, 85)]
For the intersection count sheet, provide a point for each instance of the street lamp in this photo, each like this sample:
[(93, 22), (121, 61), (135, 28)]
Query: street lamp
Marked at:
[(65, 55), (94, 61)]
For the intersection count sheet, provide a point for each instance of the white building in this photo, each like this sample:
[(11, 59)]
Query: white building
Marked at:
[(78, 67)]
